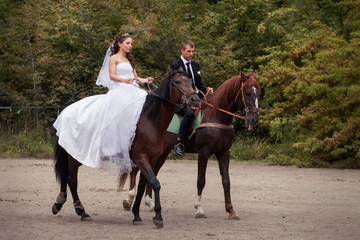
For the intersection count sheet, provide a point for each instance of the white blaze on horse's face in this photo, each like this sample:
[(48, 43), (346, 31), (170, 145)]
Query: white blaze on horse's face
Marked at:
[(256, 100)]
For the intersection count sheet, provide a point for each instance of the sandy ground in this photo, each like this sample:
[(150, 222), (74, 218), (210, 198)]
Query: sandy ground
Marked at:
[(273, 203)]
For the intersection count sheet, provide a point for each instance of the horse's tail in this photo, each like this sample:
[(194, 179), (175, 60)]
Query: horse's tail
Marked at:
[(122, 181), (61, 163)]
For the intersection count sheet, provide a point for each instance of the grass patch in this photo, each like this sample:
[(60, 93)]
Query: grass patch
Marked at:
[(34, 143), (251, 149)]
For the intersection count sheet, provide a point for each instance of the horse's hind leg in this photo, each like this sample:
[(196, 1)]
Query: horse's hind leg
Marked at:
[(132, 190), (61, 171), (61, 198), (223, 160), (148, 198), (73, 183)]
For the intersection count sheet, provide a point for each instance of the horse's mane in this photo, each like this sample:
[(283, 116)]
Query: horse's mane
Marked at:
[(226, 92), (159, 96)]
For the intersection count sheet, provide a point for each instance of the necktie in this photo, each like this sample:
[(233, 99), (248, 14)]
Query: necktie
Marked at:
[(188, 70), (189, 74)]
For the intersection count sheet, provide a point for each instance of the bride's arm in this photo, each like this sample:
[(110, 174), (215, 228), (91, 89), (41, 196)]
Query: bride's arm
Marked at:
[(113, 76), (143, 80)]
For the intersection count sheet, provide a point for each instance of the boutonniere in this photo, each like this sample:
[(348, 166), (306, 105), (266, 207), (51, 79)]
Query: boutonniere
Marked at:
[(198, 72)]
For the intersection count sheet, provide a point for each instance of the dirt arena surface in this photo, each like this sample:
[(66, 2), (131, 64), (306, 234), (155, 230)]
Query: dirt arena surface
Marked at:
[(273, 202)]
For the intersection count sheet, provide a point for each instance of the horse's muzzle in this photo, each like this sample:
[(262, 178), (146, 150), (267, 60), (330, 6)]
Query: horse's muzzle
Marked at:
[(193, 101), (252, 118)]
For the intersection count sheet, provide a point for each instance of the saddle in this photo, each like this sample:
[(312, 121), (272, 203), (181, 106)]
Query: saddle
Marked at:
[(176, 120)]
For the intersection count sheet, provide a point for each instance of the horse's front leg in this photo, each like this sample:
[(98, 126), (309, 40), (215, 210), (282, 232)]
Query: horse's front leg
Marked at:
[(140, 193), (159, 163), (202, 164), (223, 160), (148, 174), (158, 220)]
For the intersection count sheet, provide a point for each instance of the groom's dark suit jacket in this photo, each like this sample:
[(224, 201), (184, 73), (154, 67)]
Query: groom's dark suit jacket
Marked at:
[(196, 68)]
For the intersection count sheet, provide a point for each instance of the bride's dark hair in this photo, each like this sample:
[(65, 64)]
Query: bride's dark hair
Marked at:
[(115, 47)]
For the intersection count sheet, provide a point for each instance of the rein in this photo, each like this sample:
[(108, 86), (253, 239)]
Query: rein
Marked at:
[(222, 110)]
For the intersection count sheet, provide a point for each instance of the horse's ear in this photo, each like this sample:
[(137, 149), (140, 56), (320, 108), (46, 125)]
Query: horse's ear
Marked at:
[(243, 76), (169, 71), (181, 69)]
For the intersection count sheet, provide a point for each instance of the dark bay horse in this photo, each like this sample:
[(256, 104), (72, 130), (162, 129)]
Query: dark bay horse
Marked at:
[(149, 143), (215, 135)]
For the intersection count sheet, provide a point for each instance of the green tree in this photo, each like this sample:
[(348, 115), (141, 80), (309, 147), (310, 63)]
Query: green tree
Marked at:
[(315, 87)]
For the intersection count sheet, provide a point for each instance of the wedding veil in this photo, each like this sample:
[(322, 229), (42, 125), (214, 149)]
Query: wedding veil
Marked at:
[(104, 75)]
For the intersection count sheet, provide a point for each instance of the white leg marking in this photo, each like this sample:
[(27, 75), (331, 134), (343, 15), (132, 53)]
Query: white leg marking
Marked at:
[(199, 211), (149, 202), (132, 194), (128, 202)]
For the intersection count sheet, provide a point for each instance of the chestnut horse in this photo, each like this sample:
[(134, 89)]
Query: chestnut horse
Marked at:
[(148, 145), (214, 135)]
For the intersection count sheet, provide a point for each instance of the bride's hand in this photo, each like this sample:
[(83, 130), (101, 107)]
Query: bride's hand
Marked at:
[(129, 80), (150, 79)]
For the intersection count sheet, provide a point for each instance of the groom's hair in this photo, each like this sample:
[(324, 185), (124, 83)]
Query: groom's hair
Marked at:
[(187, 43)]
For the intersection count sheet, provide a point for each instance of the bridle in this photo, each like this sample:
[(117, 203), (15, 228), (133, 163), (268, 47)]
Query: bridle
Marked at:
[(242, 93), (253, 110)]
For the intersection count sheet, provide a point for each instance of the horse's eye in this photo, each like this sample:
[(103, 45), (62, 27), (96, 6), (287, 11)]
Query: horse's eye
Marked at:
[(178, 82)]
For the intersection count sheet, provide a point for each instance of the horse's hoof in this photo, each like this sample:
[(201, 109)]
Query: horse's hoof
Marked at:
[(236, 217), (126, 205), (158, 223), (55, 209), (200, 215), (137, 222), (88, 218), (85, 217)]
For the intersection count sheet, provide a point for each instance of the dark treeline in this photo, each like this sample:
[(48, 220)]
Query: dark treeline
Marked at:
[(306, 54)]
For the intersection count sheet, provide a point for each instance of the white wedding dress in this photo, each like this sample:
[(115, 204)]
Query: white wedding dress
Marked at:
[(98, 131)]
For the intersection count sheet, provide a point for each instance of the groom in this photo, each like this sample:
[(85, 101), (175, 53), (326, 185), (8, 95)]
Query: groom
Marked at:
[(193, 70)]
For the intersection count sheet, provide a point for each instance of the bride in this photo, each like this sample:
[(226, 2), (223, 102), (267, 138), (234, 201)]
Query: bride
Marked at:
[(100, 129)]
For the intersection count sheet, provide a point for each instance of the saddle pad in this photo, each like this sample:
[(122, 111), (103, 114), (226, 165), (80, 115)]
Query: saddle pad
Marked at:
[(176, 120)]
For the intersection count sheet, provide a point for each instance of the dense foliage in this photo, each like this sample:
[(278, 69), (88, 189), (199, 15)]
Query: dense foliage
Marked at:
[(313, 90), (306, 54)]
